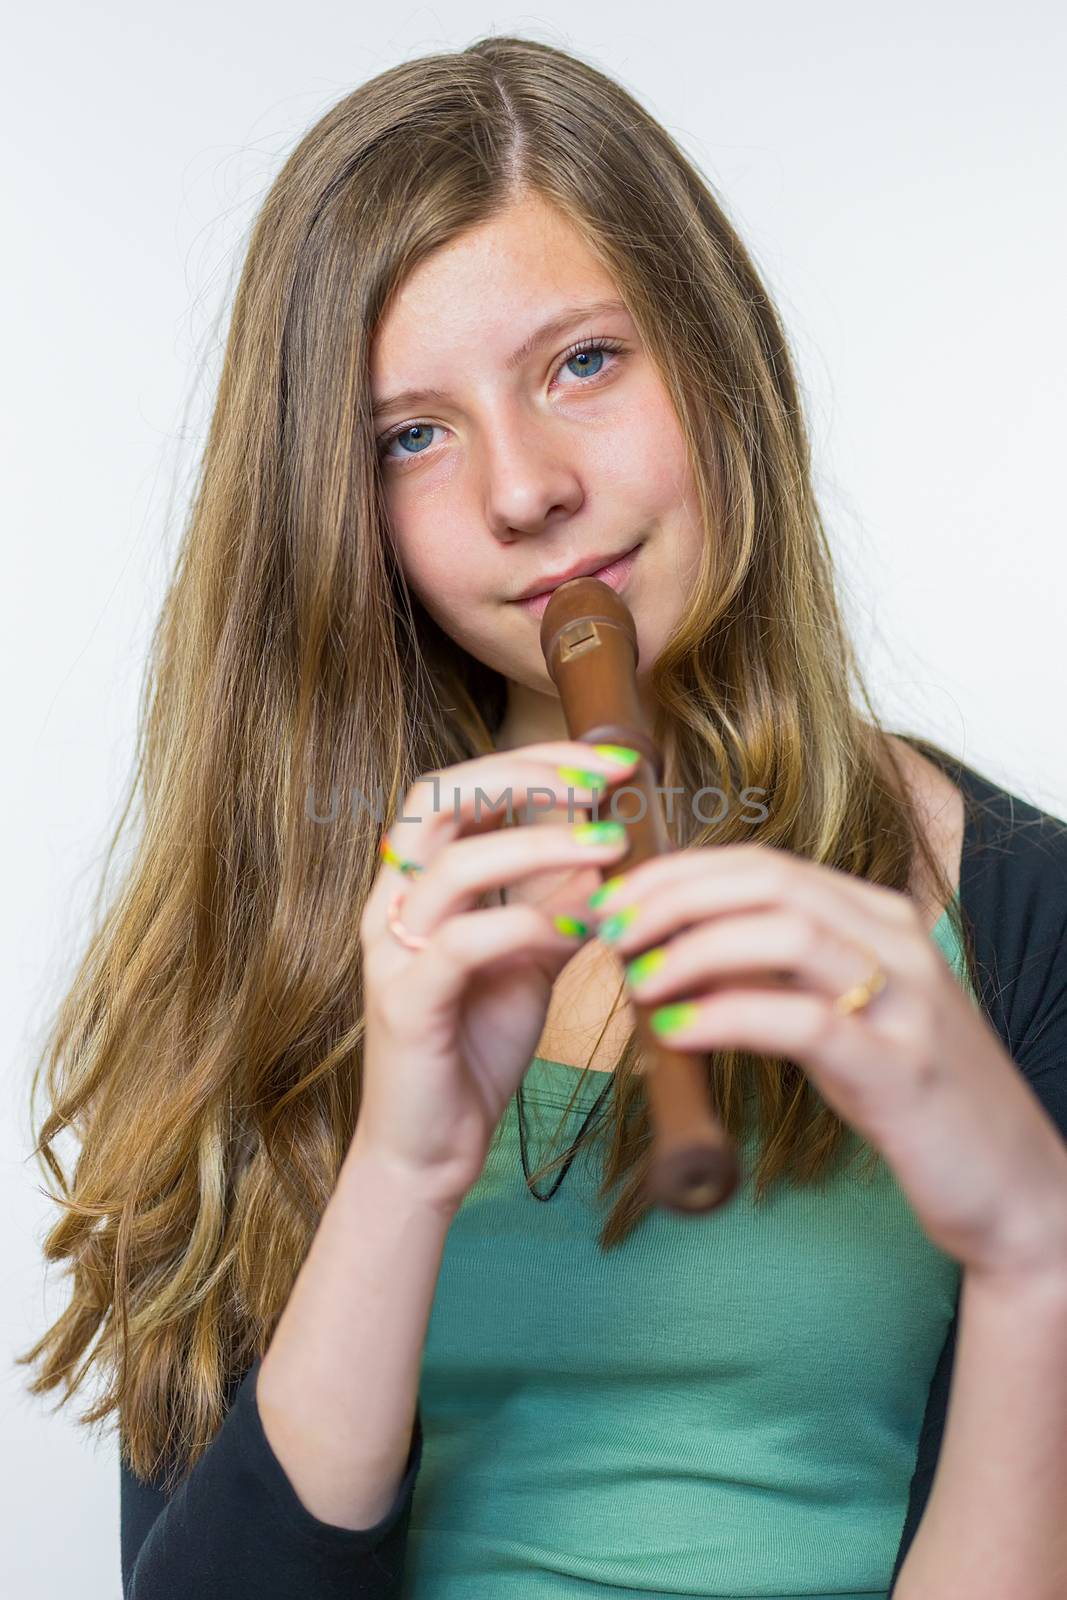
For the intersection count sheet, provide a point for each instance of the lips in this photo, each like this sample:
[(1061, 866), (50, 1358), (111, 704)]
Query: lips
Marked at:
[(615, 575)]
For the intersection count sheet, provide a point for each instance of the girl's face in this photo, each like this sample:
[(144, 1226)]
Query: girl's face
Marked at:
[(534, 453)]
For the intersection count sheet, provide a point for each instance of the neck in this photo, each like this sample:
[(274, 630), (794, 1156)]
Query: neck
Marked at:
[(533, 716)]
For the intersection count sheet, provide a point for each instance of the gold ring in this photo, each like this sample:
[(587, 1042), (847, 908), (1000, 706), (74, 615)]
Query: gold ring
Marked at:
[(861, 994)]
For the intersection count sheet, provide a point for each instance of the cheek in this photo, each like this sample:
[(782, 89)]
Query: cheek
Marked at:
[(644, 457), (435, 563), (441, 567)]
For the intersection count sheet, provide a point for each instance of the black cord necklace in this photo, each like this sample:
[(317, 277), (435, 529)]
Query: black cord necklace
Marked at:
[(589, 1116), (573, 1149)]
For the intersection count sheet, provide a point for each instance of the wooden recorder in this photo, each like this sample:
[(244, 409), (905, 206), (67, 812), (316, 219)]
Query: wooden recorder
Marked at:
[(589, 643)]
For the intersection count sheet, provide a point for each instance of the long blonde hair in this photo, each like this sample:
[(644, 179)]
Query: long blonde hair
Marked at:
[(208, 1054)]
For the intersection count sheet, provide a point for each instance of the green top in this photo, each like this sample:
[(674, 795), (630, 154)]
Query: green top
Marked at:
[(724, 1405)]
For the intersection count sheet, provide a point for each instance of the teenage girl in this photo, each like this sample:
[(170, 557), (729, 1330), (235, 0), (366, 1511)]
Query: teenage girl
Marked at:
[(493, 330)]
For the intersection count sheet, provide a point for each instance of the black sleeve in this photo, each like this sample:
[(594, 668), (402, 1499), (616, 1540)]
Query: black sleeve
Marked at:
[(1033, 978), (234, 1529), (1013, 886)]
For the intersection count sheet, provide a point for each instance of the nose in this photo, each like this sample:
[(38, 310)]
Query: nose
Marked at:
[(530, 481)]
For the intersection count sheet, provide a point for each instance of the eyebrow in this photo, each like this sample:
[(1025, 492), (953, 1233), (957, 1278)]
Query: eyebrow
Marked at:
[(556, 325)]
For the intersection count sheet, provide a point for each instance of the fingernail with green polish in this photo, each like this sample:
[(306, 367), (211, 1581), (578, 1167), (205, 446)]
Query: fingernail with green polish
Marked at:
[(615, 925), (569, 925), (609, 886), (579, 778), (643, 965), (618, 752), (668, 1019), (600, 832)]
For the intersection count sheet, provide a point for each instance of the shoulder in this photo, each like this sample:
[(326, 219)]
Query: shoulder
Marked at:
[(939, 803), (1008, 845), (1013, 894), (1014, 854)]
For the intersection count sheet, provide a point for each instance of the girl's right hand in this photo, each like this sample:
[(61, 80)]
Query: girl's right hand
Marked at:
[(450, 1029)]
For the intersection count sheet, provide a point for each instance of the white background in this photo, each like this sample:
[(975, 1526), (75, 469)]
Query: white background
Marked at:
[(899, 175)]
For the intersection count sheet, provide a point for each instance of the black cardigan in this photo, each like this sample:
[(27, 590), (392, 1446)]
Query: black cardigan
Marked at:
[(235, 1528)]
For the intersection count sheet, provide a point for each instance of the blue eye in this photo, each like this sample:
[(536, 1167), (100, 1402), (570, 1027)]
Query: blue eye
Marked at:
[(406, 434), (409, 432), (597, 354)]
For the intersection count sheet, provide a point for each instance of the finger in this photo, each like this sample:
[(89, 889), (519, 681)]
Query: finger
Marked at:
[(566, 891), (775, 942), (631, 923), (465, 944), (470, 866), (859, 1072), (483, 794), (772, 1020), (774, 870)]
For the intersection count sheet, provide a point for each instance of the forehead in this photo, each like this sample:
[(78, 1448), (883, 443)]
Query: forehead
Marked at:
[(492, 287)]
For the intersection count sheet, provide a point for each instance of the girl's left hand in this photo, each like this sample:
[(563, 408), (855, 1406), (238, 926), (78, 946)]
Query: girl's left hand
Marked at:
[(918, 1071)]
